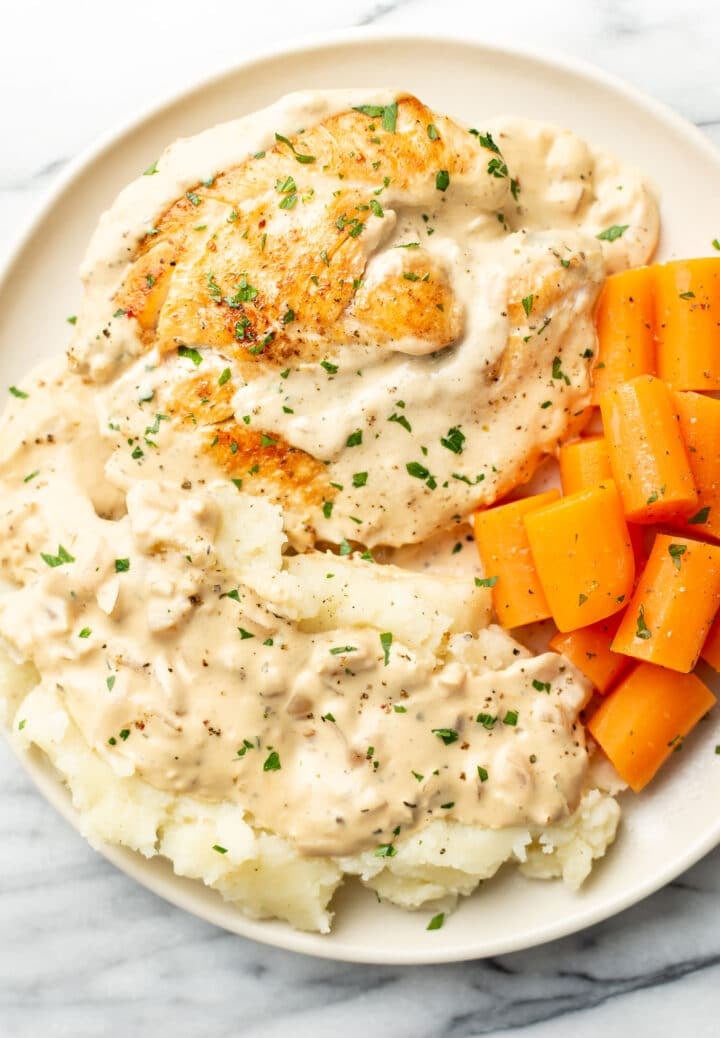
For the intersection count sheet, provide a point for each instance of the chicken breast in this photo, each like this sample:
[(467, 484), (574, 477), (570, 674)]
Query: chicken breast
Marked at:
[(367, 320)]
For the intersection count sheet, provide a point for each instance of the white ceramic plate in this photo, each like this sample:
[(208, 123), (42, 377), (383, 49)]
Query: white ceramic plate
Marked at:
[(673, 824)]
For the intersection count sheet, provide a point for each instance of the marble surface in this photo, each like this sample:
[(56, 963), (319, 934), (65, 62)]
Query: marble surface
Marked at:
[(84, 951)]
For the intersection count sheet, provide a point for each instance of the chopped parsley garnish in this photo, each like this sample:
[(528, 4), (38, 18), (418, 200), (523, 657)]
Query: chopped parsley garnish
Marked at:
[(486, 581), (345, 548), (401, 420), (122, 565), (224, 377), (18, 393), (448, 735), (385, 850), (31, 475), (288, 316), (288, 202), (219, 849), (676, 551), (305, 159), (247, 745), (151, 170), (328, 717), (120, 312), (701, 517), (286, 186), (267, 441), (642, 631), (442, 180), (511, 718), (557, 371), (417, 776), (387, 113), (453, 440), (432, 132), (527, 304), (60, 559), (486, 140), (386, 640), (400, 709), (541, 686), (331, 369), (191, 353), (125, 734), (359, 479), (466, 479), (85, 633), (273, 762), (497, 167), (376, 208), (72, 319), (354, 439), (244, 634), (327, 508), (244, 293), (110, 682), (268, 641), (613, 233), (436, 922), (482, 773), (486, 720), (716, 244), (416, 469), (21, 724), (342, 650), (193, 198)]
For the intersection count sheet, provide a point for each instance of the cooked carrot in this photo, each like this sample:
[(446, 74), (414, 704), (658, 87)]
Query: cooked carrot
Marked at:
[(700, 428), (673, 605), (503, 545), (710, 651), (687, 315), (625, 328), (589, 649), (583, 464), (647, 716), (583, 555), (647, 454)]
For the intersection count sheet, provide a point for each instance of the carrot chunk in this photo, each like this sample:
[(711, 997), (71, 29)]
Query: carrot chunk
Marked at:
[(583, 555), (710, 651), (687, 314), (648, 457), (625, 322), (673, 605), (700, 428), (589, 649), (503, 545), (583, 464), (647, 716)]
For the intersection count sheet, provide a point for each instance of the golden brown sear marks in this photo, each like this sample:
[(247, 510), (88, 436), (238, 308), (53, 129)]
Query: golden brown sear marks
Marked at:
[(267, 265)]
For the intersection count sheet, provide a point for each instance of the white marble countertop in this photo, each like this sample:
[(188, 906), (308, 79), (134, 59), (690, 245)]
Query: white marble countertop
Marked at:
[(84, 951)]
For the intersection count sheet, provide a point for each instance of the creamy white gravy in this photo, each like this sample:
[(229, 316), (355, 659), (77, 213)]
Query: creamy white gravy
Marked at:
[(211, 675)]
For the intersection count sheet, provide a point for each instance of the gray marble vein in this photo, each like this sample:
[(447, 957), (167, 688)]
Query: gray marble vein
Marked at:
[(85, 951)]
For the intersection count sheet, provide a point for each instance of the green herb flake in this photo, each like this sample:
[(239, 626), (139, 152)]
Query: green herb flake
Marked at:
[(454, 440), (327, 508), (527, 304), (193, 198), (511, 718), (385, 850), (447, 735), (110, 682), (343, 650), (676, 552), (224, 377), (701, 517), (541, 686), (386, 640), (273, 762), (359, 479), (244, 634), (557, 371), (63, 556), (613, 233), (219, 849), (482, 773), (354, 439), (151, 170), (288, 316), (72, 319), (686, 295), (85, 633), (486, 581), (332, 369), (642, 631), (345, 548), (432, 132), (442, 180), (191, 353), (31, 475), (18, 393), (122, 565), (486, 720), (436, 922)]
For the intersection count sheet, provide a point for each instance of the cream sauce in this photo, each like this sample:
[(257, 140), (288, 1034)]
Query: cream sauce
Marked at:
[(342, 703)]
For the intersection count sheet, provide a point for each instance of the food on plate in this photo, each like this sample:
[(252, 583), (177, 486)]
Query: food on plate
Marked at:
[(687, 311), (625, 323), (243, 621)]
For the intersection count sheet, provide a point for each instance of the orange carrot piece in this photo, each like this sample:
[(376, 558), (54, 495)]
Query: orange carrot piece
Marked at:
[(503, 545), (710, 651), (673, 605), (583, 555), (647, 454), (647, 716), (687, 315), (700, 428), (625, 322), (589, 649), (583, 464)]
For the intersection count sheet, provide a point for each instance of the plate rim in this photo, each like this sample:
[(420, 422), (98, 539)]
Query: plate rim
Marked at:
[(42, 773)]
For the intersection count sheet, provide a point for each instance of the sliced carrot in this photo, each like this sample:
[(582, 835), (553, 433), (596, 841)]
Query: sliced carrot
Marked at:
[(647, 716), (503, 545), (687, 314), (583, 464), (647, 454), (625, 328), (589, 649), (700, 428), (711, 649), (583, 555), (673, 605)]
